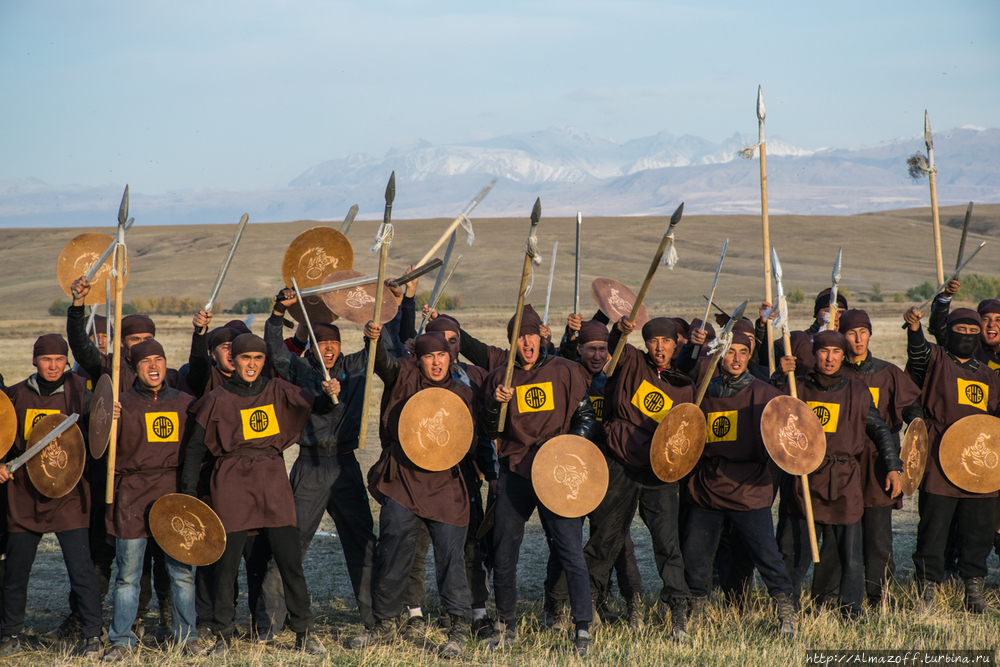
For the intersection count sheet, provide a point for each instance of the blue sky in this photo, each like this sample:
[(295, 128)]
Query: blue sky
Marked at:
[(244, 95)]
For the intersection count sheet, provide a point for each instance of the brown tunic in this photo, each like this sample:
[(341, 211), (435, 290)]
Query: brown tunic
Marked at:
[(247, 434), (733, 472), (640, 397), (545, 399), (127, 375), (951, 392), (433, 495), (27, 509), (836, 485), (988, 358), (151, 436)]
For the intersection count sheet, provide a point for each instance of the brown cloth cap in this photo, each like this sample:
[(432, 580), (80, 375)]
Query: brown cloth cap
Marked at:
[(855, 319), (444, 323), (740, 338), (744, 325), (829, 339), (248, 342), (660, 326), (430, 342), (593, 331), (823, 301), (324, 331), (709, 329), (964, 316), (683, 328), (137, 324), (239, 325), (221, 335), (989, 306), (100, 324), (147, 348), (50, 344), (530, 323)]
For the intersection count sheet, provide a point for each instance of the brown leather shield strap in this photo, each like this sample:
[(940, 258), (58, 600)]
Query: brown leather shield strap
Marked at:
[(77, 258), (8, 424), (615, 300), (56, 469), (970, 454), (357, 304), (187, 529), (435, 429), (914, 455), (312, 256), (570, 476), (678, 442), (101, 413), (793, 435)]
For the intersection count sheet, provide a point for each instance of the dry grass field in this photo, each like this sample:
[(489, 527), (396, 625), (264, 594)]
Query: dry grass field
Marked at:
[(893, 249)]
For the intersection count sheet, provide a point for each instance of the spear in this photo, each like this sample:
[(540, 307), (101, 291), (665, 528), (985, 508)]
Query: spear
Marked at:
[(312, 337), (696, 349), (382, 241), (552, 275), (576, 283), (944, 283), (932, 178), (764, 221), (667, 237), (530, 255), (719, 350), (831, 316), (116, 360), (463, 220), (965, 233), (433, 304), (438, 283)]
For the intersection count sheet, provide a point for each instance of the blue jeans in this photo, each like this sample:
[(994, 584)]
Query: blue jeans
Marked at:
[(129, 562)]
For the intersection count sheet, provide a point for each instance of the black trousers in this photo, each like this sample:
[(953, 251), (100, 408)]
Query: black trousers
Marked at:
[(733, 565), (880, 567), (75, 545), (284, 546), (475, 555), (626, 572), (793, 540), (335, 485), (756, 532), (397, 537), (658, 503), (516, 501), (975, 535)]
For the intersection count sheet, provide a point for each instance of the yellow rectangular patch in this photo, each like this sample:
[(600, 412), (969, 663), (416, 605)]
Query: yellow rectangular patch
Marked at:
[(535, 398), (597, 402), (721, 426), (652, 402), (259, 422), (32, 417), (162, 427), (828, 413), (995, 367), (875, 392), (973, 393)]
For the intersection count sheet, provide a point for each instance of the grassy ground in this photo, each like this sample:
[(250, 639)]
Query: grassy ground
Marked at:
[(726, 637)]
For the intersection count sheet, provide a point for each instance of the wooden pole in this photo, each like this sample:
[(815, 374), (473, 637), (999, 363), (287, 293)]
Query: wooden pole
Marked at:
[(370, 373), (936, 222), (116, 365), (806, 494), (765, 224)]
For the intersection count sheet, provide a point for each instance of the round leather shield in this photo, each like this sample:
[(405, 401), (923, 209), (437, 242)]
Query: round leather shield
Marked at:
[(357, 304), (615, 300), (102, 409), (56, 469), (793, 435), (77, 258), (914, 455), (8, 424), (570, 476), (313, 255), (435, 429), (187, 529), (678, 442), (970, 453)]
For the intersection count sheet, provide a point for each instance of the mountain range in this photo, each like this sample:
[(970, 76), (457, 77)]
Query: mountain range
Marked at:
[(568, 168)]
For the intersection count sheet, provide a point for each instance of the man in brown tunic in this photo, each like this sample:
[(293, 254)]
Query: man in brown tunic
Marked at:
[(847, 412), (246, 424), (153, 428), (50, 390), (410, 495), (954, 384), (802, 340)]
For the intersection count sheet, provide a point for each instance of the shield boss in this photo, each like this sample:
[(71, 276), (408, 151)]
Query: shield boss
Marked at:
[(570, 476)]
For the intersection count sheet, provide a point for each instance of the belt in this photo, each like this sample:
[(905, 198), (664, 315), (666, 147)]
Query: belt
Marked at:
[(250, 452)]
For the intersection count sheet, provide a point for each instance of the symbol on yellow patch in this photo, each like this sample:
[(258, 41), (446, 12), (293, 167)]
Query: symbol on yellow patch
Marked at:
[(722, 426), (652, 402), (32, 417), (259, 422), (828, 413), (162, 427), (995, 367), (971, 393), (535, 398), (597, 402), (875, 393)]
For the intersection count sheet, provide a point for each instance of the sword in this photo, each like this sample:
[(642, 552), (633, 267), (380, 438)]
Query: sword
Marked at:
[(43, 443), (109, 321), (576, 283), (90, 321), (947, 280), (717, 354), (345, 226), (548, 293), (715, 305), (312, 335), (225, 265), (463, 219), (416, 273), (433, 304), (440, 278), (696, 350), (831, 321), (965, 233)]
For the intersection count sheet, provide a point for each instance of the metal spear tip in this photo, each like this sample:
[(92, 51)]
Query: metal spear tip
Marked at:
[(123, 209), (738, 313), (390, 189), (837, 266), (928, 137), (775, 263), (676, 217), (760, 104), (536, 211)]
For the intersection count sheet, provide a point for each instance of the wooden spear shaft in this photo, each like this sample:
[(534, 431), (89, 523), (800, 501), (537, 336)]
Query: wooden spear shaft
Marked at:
[(936, 222), (116, 365), (764, 223), (369, 374)]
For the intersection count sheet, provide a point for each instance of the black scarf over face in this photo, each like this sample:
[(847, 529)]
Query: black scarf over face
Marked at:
[(961, 345)]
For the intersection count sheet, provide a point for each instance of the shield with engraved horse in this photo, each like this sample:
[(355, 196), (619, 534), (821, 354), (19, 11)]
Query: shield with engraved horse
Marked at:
[(311, 257), (914, 455), (187, 529), (793, 435), (435, 429), (970, 453), (569, 475), (678, 442), (56, 469)]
